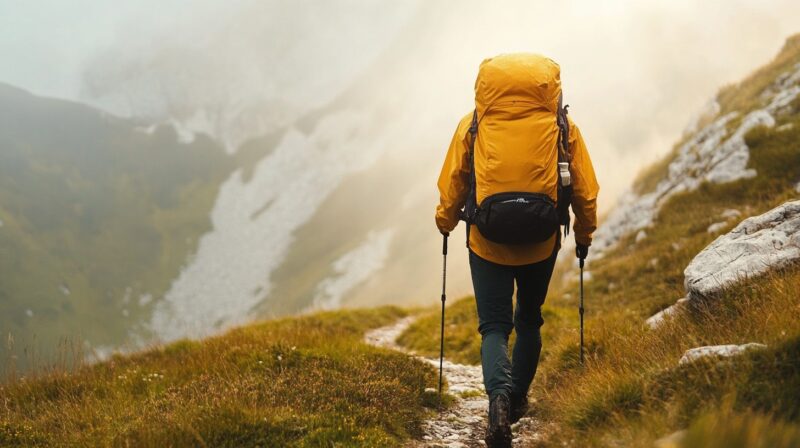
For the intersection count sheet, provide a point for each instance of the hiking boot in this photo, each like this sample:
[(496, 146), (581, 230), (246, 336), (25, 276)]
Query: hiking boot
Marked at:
[(519, 407), (498, 432)]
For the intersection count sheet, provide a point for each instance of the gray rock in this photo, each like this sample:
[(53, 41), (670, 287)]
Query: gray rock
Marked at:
[(641, 236), (693, 354), (657, 319), (756, 245)]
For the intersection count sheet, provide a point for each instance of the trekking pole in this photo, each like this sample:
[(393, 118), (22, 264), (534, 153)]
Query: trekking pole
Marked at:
[(444, 298), (580, 309)]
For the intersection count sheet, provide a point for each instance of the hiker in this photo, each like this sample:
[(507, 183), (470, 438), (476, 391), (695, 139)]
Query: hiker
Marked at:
[(514, 166)]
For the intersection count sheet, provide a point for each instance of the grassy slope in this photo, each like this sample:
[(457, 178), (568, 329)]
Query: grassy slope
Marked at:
[(632, 391), (297, 382)]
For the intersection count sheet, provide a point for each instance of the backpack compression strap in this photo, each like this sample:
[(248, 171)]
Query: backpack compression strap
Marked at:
[(563, 126)]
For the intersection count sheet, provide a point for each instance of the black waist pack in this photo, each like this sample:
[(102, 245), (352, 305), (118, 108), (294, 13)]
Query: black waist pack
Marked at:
[(517, 218)]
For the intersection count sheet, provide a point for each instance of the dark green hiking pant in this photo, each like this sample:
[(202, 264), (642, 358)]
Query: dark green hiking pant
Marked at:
[(494, 290)]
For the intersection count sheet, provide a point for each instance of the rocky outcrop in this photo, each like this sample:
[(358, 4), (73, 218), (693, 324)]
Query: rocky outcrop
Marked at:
[(753, 247), (712, 154), (725, 351)]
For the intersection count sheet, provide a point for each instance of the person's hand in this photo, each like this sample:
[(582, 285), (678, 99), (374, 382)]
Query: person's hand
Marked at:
[(581, 251)]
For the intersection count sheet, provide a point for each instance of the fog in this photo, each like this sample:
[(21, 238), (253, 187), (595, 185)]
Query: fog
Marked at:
[(633, 71), (383, 84)]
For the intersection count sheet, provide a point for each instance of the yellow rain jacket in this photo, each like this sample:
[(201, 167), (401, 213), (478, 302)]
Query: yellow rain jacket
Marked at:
[(516, 99)]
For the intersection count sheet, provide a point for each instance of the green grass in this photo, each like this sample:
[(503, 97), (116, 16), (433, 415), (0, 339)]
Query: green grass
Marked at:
[(462, 343), (299, 382)]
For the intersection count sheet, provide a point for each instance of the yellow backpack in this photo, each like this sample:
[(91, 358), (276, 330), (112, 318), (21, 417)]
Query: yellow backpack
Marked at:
[(520, 187)]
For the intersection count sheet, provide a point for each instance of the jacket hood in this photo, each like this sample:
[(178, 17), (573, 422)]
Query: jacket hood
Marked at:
[(518, 78)]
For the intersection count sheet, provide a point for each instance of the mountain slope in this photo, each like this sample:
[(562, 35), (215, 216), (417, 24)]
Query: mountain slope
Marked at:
[(632, 390), (97, 216)]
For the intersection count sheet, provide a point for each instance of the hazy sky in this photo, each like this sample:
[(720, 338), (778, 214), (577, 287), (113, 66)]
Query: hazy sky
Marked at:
[(45, 44)]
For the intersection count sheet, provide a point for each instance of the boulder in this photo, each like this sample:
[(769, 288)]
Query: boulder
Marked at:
[(724, 351), (756, 245)]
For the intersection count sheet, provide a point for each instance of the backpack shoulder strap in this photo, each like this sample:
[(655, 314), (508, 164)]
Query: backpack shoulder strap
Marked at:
[(471, 205)]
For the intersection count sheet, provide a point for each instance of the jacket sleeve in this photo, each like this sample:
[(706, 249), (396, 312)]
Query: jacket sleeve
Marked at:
[(454, 178), (584, 197)]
